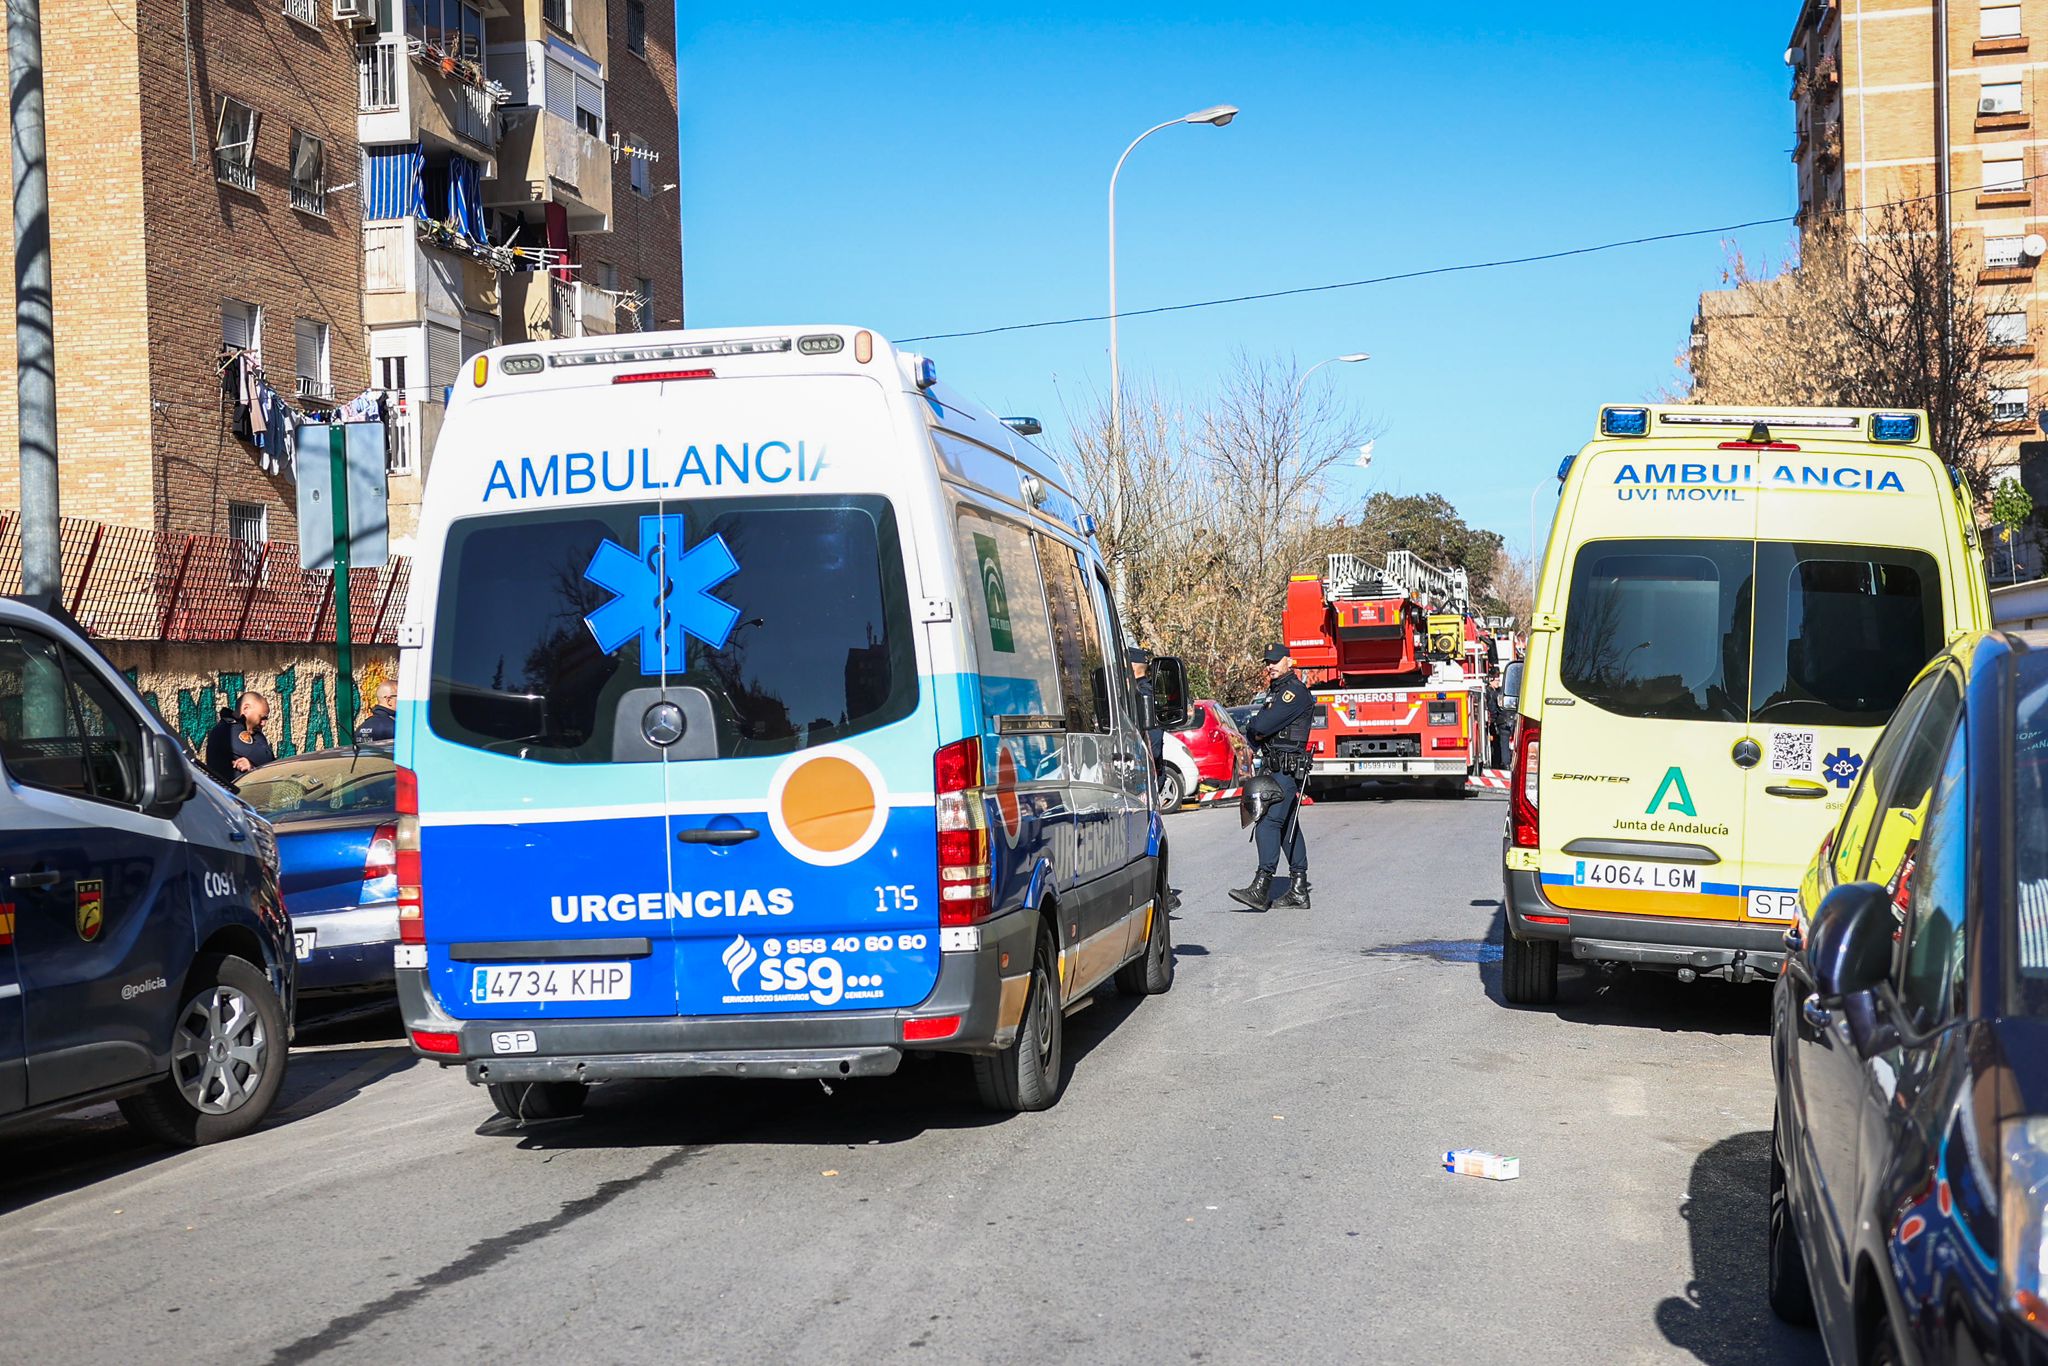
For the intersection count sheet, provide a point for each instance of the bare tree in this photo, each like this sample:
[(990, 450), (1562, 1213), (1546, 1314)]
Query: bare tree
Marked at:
[(1204, 513), (1880, 319)]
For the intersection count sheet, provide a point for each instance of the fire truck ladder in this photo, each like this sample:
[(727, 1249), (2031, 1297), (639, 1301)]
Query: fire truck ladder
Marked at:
[(1404, 574)]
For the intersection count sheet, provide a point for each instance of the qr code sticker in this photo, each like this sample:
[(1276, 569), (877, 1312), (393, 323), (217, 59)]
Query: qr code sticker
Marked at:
[(1794, 751)]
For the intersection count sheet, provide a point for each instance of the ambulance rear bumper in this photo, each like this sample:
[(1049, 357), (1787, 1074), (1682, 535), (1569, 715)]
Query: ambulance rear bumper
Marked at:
[(1738, 950)]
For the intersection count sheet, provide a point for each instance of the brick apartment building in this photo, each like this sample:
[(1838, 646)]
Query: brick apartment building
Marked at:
[(1865, 86), (356, 194), (165, 242)]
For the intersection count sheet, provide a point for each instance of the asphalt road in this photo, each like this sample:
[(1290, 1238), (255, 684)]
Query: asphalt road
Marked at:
[(1243, 1170)]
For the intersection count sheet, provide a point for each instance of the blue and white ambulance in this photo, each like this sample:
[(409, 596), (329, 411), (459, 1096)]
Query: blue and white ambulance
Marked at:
[(762, 714)]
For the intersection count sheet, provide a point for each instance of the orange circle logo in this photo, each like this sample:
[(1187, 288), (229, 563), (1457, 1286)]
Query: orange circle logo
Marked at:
[(828, 807)]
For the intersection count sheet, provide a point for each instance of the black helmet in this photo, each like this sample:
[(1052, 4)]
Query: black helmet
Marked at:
[(1262, 792)]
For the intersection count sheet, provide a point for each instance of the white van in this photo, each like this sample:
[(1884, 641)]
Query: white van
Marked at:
[(764, 716)]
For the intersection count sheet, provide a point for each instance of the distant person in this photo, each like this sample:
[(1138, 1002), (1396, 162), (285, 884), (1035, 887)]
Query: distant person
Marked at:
[(382, 722), (237, 744)]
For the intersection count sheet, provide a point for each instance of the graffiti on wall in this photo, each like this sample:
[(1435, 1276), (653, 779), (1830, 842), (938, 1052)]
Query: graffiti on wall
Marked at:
[(305, 713)]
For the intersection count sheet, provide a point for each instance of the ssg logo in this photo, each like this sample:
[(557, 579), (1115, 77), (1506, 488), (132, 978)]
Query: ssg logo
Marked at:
[(663, 594), (739, 955)]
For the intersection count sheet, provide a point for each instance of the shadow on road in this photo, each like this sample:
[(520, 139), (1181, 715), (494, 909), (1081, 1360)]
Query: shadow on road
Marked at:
[(1723, 1318), (928, 1092), (1586, 995), (72, 1152)]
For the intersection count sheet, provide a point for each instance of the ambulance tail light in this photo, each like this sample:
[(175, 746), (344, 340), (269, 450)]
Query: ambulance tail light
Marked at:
[(965, 893), (1522, 788), (405, 843)]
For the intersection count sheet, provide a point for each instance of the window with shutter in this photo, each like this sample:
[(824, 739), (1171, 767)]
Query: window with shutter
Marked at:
[(590, 105), (241, 325), (444, 360), (561, 90)]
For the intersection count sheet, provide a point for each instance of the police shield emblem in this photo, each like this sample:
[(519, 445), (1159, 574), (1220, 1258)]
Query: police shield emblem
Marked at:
[(92, 909)]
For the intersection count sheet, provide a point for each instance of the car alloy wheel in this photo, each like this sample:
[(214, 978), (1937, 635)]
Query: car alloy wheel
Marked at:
[(220, 1050)]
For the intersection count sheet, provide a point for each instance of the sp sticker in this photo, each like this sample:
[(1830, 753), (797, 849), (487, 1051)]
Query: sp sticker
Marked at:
[(92, 909)]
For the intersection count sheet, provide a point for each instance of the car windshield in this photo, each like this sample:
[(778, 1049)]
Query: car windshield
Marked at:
[(339, 783), (2029, 828)]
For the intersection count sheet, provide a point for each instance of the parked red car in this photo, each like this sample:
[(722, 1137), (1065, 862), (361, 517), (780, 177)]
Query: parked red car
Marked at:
[(1212, 747)]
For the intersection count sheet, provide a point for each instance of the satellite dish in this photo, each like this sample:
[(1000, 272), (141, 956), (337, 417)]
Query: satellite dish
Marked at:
[(2036, 245)]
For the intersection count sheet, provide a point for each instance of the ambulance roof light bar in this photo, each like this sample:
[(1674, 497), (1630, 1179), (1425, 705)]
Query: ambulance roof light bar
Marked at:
[(629, 355)]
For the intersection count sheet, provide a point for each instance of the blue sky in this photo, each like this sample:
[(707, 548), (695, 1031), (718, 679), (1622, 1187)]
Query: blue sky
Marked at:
[(884, 166)]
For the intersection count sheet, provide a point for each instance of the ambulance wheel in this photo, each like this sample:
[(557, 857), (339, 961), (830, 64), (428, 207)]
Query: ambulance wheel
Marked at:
[(1028, 1075), (1173, 790), (1151, 973), (521, 1101), (1529, 971), (228, 1049)]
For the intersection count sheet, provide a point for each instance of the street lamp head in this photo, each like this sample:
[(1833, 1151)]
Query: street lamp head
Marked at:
[(1218, 114), (1354, 357)]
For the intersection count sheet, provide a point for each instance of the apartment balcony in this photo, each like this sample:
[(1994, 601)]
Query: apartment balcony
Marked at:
[(405, 279), (405, 93), (545, 159), (539, 307)]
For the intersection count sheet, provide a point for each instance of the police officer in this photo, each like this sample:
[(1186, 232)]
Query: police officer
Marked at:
[(1281, 727)]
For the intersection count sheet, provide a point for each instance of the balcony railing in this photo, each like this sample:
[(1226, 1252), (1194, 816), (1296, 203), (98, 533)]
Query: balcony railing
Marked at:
[(301, 10), (310, 199), (310, 387), (377, 76), (233, 168)]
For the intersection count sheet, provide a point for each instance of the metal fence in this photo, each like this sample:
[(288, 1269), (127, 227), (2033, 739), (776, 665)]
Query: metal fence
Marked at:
[(128, 583)]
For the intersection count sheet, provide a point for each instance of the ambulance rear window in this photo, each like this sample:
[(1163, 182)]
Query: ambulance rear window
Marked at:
[(1659, 628), (817, 643), (1841, 631)]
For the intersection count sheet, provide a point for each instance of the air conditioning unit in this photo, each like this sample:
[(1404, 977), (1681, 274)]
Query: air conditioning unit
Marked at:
[(1986, 105), (355, 12)]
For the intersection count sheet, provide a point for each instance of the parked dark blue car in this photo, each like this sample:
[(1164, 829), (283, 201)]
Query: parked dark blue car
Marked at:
[(334, 812), (1909, 1163)]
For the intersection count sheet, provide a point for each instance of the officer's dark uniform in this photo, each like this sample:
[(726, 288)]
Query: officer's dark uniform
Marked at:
[(1281, 727)]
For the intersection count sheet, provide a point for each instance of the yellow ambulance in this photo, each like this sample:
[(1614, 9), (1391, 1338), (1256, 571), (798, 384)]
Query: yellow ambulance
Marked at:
[(1730, 606)]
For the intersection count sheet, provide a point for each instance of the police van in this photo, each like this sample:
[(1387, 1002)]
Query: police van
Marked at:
[(145, 952), (762, 715), (1730, 607)]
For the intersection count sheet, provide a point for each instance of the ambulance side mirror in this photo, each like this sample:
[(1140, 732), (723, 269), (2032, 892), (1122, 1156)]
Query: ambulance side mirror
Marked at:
[(1169, 693)]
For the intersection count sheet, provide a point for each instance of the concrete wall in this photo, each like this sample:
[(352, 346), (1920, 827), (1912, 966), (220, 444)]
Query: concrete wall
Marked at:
[(188, 684)]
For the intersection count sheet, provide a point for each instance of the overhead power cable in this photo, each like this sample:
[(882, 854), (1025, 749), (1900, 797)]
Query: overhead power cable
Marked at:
[(1463, 267)]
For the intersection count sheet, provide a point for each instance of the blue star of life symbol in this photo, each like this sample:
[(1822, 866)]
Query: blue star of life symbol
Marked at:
[(663, 594), (1841, 767)]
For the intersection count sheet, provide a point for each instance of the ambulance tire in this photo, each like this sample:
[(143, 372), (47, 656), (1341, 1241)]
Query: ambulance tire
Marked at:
[(524, 1102), (173, 1110), (1151, 972), (1529, 971), (1029, 1074)]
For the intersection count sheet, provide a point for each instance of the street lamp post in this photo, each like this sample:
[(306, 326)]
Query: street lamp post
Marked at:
[(1216, 116), (1301, 385)]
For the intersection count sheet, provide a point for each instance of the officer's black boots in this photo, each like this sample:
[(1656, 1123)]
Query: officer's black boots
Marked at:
[(1297, 894), (1259, 895)]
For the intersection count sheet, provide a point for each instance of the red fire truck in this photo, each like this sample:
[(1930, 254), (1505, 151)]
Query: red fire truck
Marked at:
[(1398, 667)]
